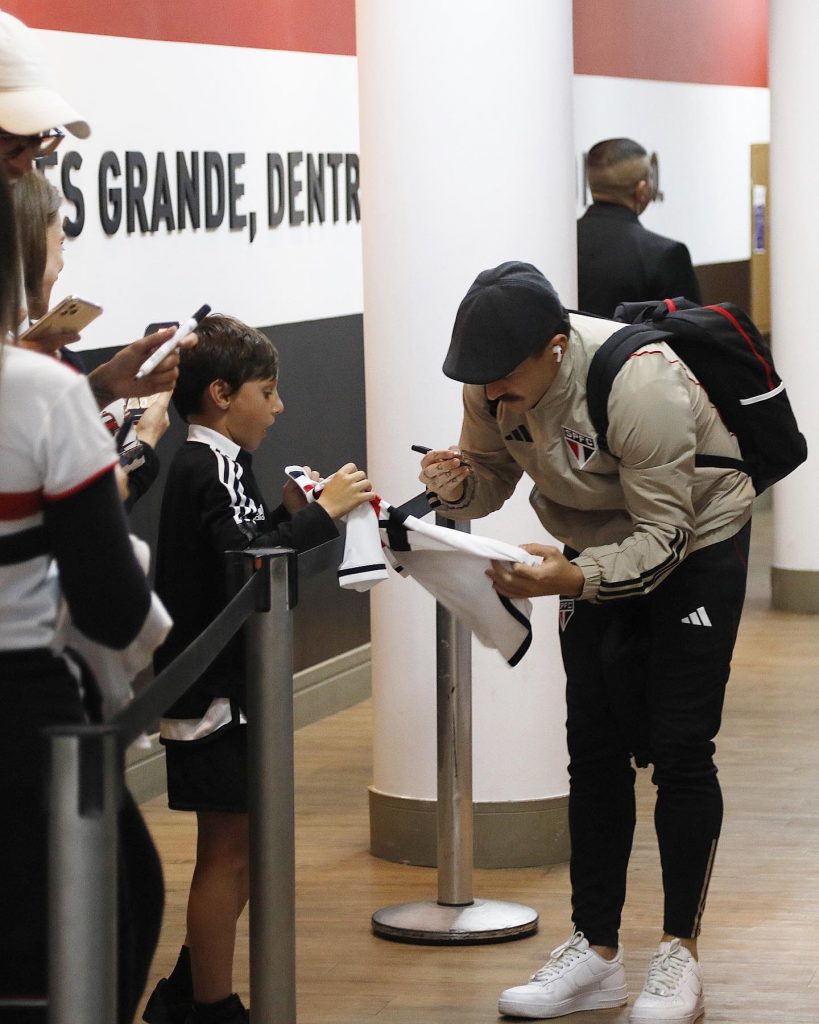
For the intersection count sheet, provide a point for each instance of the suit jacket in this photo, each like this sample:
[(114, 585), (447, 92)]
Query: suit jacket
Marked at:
[(618, 260)]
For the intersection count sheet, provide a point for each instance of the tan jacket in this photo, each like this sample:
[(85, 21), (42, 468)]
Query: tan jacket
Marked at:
[(633, 517)]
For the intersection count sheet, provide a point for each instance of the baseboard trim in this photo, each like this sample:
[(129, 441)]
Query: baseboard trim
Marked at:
[(332, 686), (507, 834), (318, 692), (794, 590)]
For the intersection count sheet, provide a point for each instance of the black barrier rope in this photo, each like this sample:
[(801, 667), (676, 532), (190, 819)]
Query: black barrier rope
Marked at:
[(76, 845), (184, 670)]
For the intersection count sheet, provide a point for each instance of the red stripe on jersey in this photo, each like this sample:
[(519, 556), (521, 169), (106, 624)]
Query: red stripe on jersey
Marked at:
[(20, 504)]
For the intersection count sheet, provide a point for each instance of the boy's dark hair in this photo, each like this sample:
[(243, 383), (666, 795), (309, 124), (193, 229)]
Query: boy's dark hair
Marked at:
[(227, 350)]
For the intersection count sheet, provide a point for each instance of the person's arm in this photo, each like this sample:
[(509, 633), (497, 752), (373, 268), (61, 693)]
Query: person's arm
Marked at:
[(308, 528), (492, 474), (117, 378), (653, 432), (141, 478), (674, 275), (105, 588), (83, 520), (229, 529), (153, 423)]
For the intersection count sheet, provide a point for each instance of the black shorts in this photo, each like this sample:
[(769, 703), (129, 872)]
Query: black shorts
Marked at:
[(209, 775)]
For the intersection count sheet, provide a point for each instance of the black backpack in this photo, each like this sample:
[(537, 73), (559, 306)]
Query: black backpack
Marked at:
[(726, 353)]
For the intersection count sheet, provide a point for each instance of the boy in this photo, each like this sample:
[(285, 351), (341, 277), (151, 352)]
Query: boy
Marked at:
[(227, 393)]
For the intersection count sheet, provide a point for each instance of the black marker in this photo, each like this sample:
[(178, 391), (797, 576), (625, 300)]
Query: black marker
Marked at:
[(422, 450)]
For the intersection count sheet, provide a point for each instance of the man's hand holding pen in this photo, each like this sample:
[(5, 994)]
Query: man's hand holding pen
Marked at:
[(444, 471)]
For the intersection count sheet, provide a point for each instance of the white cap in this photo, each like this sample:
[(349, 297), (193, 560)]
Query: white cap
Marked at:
[(28, 105)]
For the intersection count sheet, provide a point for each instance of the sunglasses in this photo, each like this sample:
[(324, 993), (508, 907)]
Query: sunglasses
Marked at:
[(41, 144)]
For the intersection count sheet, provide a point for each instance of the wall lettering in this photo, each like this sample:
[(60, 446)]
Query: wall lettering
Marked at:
[(185, 191)]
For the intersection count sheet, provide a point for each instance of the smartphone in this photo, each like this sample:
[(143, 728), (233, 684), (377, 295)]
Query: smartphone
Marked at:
[(70, 316), (153, 328), (139, 405), (135, 407)]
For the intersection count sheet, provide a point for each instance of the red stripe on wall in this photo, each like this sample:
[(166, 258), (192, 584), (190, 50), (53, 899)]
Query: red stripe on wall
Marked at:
[(312, 26), (713, 42)]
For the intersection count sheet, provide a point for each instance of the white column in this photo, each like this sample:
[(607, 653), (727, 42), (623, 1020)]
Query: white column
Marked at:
[(466, 161), (794, 156)]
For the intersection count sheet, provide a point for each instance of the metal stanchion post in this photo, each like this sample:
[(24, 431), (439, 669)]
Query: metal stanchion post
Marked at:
[(456, 917), (454, 728), (269, 646), (84, 788)]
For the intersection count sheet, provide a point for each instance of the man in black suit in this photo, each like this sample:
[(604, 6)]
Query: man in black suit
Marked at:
[(618, 260)]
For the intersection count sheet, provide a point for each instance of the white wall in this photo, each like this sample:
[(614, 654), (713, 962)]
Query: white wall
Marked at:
[(702, 135), (155, 96)]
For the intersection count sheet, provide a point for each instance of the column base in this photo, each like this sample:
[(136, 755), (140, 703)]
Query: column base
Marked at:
[(507, 834), (794, 590)]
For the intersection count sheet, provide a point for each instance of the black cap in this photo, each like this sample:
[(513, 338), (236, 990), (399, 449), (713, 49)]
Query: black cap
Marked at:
[(509, 314)]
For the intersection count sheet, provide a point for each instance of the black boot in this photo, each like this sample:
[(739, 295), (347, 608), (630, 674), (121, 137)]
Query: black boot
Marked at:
[(172, 999), (226, 1011)]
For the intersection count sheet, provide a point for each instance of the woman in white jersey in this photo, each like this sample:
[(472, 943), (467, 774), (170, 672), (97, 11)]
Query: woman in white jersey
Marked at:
[(58, 502)]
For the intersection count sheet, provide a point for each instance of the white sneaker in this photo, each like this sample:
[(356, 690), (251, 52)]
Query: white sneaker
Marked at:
[(573, 978), (673, 988)]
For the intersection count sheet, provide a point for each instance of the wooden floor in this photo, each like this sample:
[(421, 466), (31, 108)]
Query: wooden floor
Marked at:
[(760, 946)]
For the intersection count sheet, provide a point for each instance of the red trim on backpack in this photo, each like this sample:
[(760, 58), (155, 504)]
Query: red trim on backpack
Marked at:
[(671, 305), (738, 326)]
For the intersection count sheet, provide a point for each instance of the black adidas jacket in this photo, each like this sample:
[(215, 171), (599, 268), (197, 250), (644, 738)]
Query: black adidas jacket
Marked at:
[(212, 504)]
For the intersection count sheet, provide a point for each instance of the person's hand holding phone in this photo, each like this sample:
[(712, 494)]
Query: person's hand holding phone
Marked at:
[(155, 420), (49, 345), (59, 326)]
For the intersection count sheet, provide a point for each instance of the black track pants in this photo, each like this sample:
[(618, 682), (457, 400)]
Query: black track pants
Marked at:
[(646, 677)]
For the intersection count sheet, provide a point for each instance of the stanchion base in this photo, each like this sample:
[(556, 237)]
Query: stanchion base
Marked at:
[(432, 924)]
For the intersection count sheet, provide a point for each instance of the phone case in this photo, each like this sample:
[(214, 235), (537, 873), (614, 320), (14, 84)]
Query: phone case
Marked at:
[(69, 316)]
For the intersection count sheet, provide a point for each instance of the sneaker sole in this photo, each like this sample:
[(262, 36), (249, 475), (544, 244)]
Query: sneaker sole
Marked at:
[(604, 1000), (686, 1018)]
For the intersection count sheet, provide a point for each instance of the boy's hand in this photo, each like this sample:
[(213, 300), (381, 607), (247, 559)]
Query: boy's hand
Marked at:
[(153, 423), (293, 497), (444, 472), (555, 575), (346, 489)]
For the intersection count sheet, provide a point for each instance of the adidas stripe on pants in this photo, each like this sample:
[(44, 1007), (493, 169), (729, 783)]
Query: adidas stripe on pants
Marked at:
[(646, 677)]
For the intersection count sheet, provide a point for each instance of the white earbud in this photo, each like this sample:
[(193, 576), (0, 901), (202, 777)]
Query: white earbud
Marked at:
[(558, 355)]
